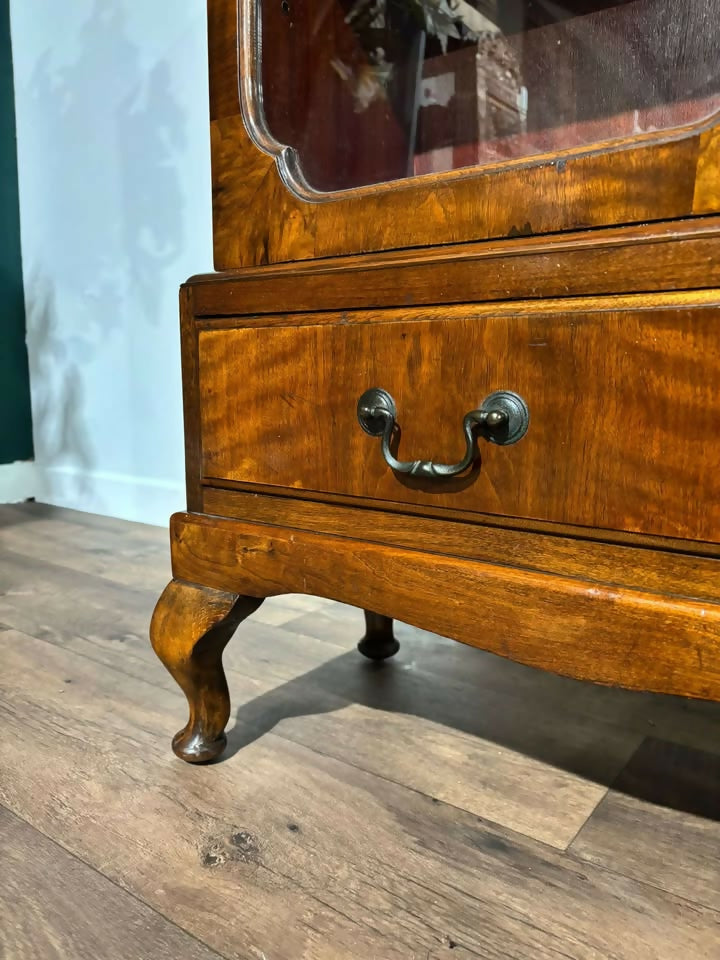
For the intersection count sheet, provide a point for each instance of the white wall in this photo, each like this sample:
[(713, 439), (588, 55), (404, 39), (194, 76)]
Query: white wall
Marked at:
[(114, 169)]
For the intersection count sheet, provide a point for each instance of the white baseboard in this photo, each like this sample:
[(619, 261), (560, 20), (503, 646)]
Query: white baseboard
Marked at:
[(143, 499), (18, 481)]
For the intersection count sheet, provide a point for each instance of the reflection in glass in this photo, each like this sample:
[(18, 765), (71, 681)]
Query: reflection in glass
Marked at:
[(368, 91)]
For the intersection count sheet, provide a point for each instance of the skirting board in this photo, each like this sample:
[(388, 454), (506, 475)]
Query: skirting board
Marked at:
[(18, 481), (143, 499)]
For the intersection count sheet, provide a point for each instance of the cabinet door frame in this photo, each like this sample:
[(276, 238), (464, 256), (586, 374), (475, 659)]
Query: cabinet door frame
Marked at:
[(260, 218)]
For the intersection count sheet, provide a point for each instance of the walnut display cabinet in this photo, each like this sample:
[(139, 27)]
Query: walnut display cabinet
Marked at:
[(460, 361)]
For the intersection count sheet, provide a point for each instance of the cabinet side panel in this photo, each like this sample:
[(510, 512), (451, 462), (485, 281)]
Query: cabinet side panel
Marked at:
[(191, 400)]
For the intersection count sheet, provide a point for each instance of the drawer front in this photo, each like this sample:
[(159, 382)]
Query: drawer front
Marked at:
[(623, 397)]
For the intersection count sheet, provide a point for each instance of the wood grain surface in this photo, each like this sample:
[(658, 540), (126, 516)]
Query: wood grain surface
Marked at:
[(257, 220), (624, 417), (649, 257), (55, 907), (189, 630), (658, 821), (191, 400), (609, 635), (657, 568)]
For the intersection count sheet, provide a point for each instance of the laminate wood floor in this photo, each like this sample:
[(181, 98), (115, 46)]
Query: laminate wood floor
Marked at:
[(447, 804)]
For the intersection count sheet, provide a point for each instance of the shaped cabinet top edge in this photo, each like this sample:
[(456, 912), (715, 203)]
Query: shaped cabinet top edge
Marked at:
[(306, 165)]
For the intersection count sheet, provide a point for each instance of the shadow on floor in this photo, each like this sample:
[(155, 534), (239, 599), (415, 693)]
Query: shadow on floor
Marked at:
[(574, 726)]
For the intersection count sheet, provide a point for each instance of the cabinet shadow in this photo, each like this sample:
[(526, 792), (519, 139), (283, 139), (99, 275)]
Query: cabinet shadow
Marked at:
[(661, 749)]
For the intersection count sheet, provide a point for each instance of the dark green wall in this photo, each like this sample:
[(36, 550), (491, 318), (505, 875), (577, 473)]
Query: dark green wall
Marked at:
[(15, 422)]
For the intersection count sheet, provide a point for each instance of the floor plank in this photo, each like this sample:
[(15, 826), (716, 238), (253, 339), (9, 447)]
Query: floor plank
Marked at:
[(101, 781), (493, 755), (422, 809), (660, 823), (691, 722), (51, 602), (133, 554), (54, 907), (335, 855), (514, 757)]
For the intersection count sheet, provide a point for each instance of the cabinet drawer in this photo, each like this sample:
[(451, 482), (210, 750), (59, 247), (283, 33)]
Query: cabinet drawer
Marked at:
[(623, 397)]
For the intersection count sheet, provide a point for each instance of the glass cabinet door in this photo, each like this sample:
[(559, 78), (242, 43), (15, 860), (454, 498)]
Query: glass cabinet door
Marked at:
[(370, 91)]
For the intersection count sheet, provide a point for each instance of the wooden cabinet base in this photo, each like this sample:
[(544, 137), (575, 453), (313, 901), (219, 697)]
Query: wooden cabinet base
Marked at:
[(592, 631)]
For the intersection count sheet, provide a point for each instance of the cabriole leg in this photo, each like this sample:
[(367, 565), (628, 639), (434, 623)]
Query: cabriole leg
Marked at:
[(189, 630)]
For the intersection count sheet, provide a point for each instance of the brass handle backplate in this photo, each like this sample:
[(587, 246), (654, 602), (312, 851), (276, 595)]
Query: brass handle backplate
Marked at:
[(502, 418)]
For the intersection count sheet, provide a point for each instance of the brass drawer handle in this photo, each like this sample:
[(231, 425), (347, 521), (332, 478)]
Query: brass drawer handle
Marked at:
[(502, 418)]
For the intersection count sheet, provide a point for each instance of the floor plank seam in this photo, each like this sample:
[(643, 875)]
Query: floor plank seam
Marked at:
[(289, 880), (648, 884), (601, 800), (621, 791), (446, 939), (101, 579), (125, 890), (517, 917), (158, 670), (254, 728), (485, 822)]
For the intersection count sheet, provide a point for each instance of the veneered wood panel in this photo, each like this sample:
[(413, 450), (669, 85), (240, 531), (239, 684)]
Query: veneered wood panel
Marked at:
[(258, 220), (656, 570), (641, 641), (640, 259), (625, 417), (191, 400)]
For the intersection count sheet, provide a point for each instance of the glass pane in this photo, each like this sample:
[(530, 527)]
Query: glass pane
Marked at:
[(368, 91)]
